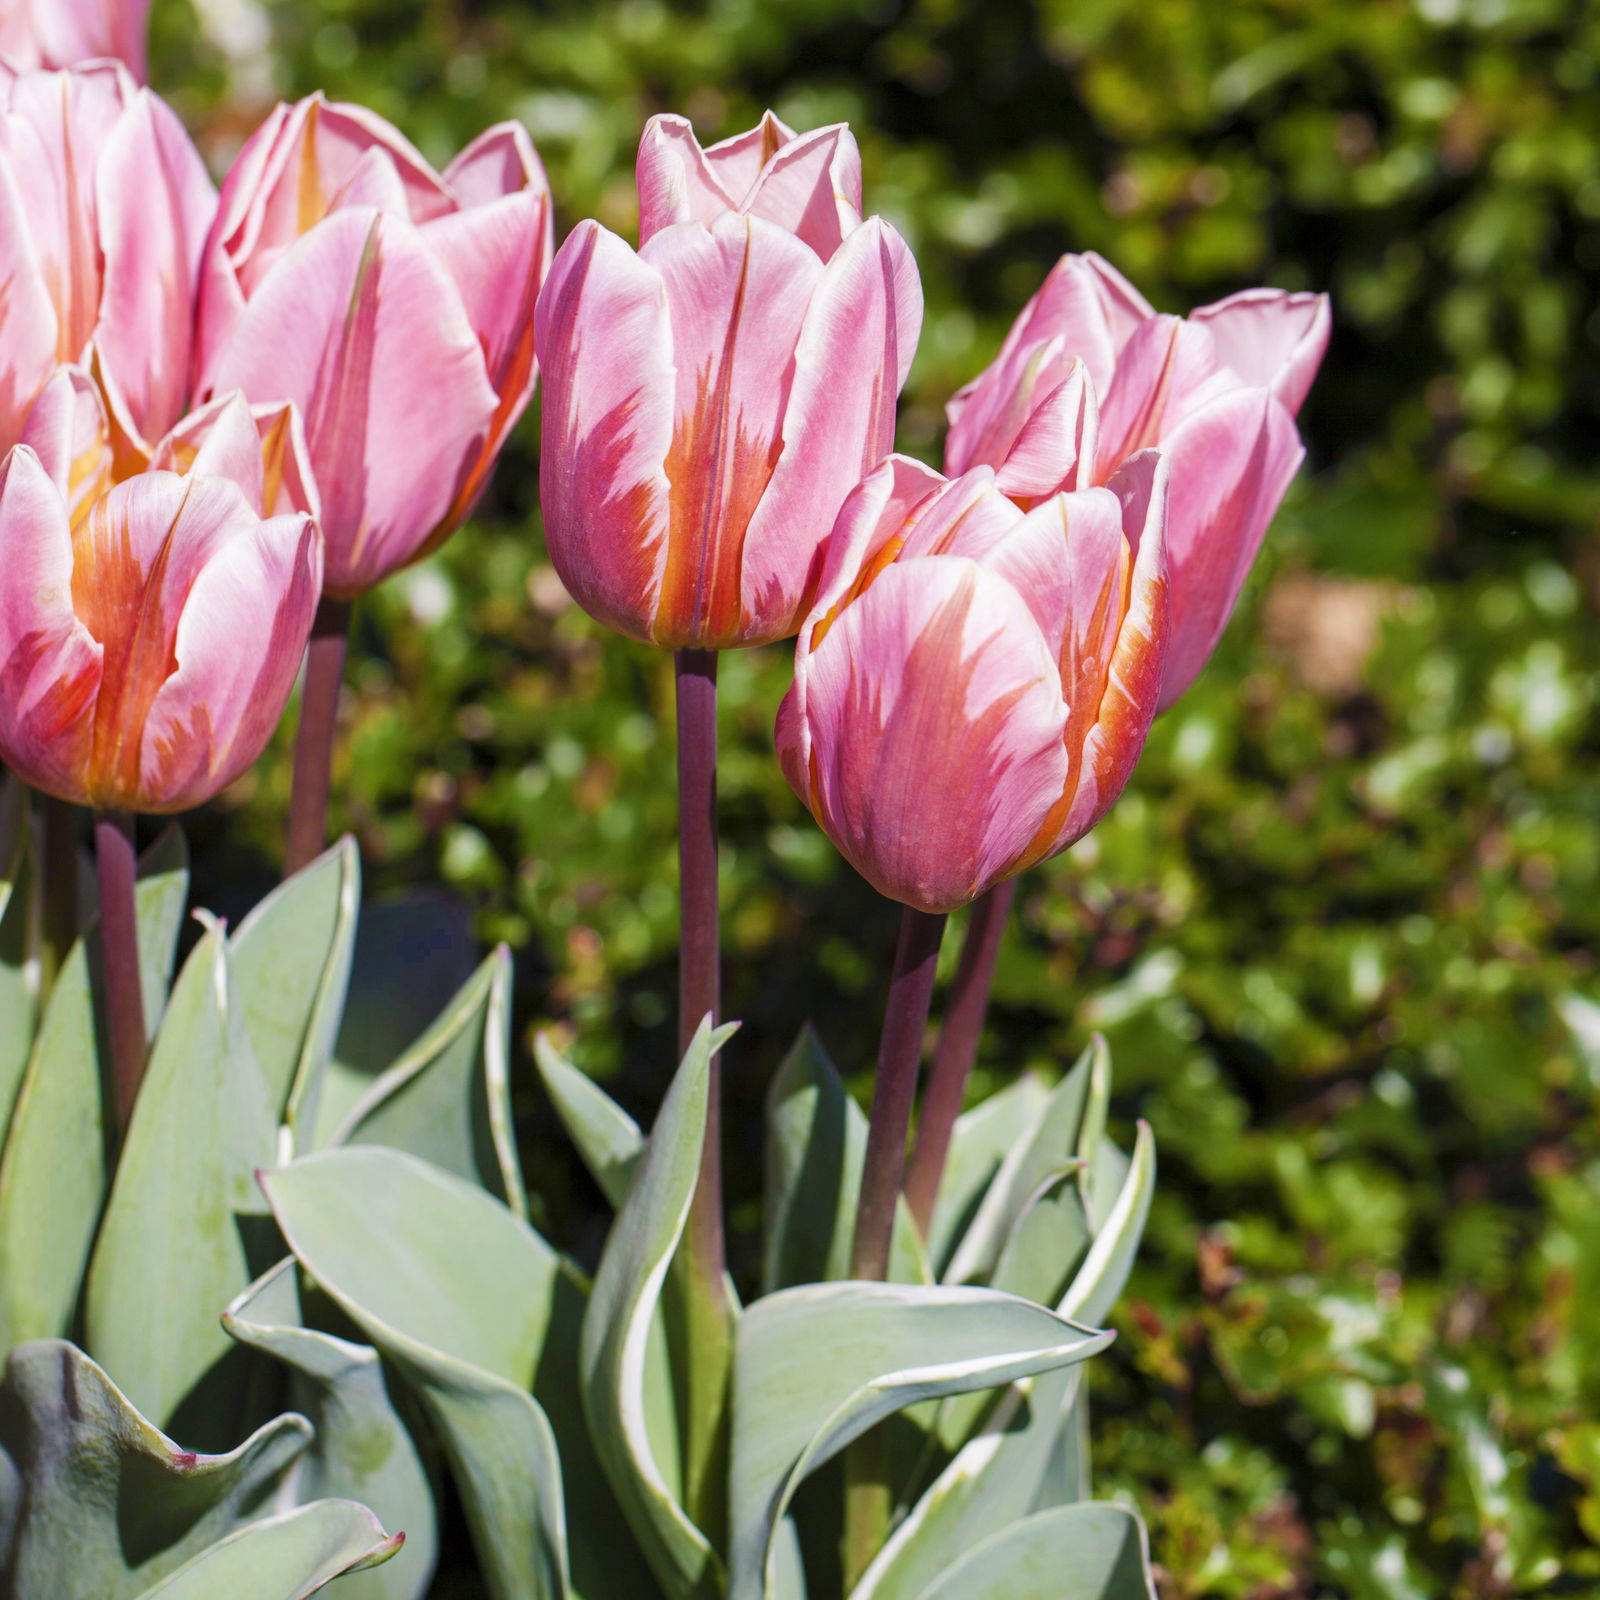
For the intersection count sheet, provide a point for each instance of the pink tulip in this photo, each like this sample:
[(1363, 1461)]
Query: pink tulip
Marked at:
[(104, 209), (976, 682), (1217, 392), (392, 305), (809, 184), (66, 33), (150, 629), (712, 398)]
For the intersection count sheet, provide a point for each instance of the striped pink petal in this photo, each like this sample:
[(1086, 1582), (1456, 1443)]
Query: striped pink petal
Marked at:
[(1271, 338)]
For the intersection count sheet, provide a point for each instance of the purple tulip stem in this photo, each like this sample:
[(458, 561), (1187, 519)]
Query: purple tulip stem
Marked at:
[(307, 834), (59, 894), (916, 960), (965, 1010), (894, 1092), (707, 1358), (117, 863)]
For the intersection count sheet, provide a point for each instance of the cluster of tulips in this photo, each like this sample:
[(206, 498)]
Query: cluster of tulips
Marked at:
[(225, 415)]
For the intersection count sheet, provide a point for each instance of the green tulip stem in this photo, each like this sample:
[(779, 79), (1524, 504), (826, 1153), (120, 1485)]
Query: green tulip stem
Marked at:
[(307, 834), (59, 890), (706, 1356), (117, 864), (965, 1010)]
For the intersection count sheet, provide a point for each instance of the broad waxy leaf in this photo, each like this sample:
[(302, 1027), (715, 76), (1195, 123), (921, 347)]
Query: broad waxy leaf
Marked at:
[(816, 1146), (1046, 1146), (607, 1138), (475, 1309), (18, 980), (815, 1367), (1029, 1267), (171, 1251), (362, 1449), (412, 955), (448, 1098), (94, 1499), (49, 1207), (290, 960), (285, 1557), (617, 1364), (1091, 1551), (979, 1144)]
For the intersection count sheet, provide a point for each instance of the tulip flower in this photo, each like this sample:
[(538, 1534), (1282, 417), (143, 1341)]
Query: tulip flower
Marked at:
[(66, 33), (809, 184), (1217, 392), (976, 681), (391, 304), (104, 209), (712, 398), (150, 629)]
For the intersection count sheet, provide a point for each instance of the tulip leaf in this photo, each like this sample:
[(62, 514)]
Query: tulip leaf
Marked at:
[(411, 956), (1094, 1287), (1092, 1551), (49, 1205), (1048, 1144), (18, 1011), (290, 960), (362, 1449), (816, 1146), (94, 1499), (285, 1557), (979, 1144), (815, 1367), (475, 1310), (448, 1098), (619, 1337), (992, 1482), (172, 1248), (606, 1137)]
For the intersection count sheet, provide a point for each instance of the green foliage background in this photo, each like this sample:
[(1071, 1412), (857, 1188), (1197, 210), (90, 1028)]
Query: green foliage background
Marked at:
[(1341, 928)]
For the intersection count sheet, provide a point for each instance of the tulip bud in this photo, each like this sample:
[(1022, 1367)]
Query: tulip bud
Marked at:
[(1217, 392), (392, 305), (150, 629), (712, 398), (65, 33), (104, 209), (976, 682)]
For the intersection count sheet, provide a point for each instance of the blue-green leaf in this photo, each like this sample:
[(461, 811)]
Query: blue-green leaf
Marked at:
[(94, 1499), (49, 1205), (1085, 1552), (607, 1138), (815, 1367), (362, 1450)]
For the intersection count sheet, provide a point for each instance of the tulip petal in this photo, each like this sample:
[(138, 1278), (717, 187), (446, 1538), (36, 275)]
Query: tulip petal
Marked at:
[(737, 293), (1271, 339), (739, 161), (64, 33), (812, 187), (499, 162), (605, 348), (221, 441), (67, 429), (156, 204), (1033, 416), (373, 181), (854, 351), (1231, 464), (50, 665), (1166, 370), (676, 182), (361, 328), (1104, 745), (27, 316), (935, 731), (235, 666)]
